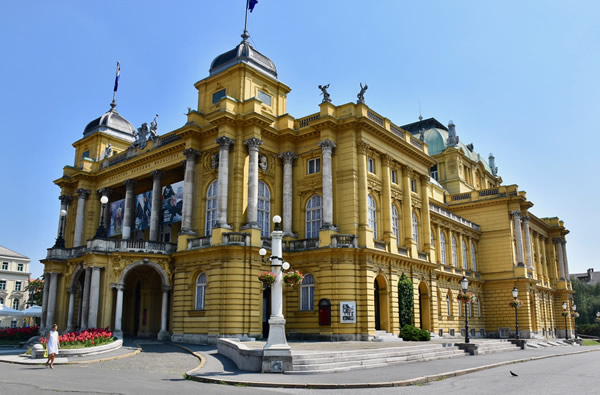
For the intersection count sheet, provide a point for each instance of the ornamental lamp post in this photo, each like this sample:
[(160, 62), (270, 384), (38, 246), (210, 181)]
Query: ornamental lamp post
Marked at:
[(101, 231), (464, 283), (574, 317), (564, 307), (598, 316), (60, 240), (276, 339), (515, 294)]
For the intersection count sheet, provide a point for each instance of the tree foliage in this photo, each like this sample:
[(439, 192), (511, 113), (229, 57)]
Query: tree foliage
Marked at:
[(405, 300), (587, 299), (36, 291)]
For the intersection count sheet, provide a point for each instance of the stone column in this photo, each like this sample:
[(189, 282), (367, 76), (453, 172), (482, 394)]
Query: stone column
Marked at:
[(252, 212), (86, 298), (45, 302), (518, 237), (106, 219), (78, 237), (223, 182), (543, 258), (425, 218), (288, 161), (94, 298), (129, 210), (327, 147), (386, 204), (525, 220), (188, 192), (119, 310), (561, 259), (71, 309), (363, 192), (51, 299), (163, 334), (407, 208), (565, 260), (155, 214), (65, 201)]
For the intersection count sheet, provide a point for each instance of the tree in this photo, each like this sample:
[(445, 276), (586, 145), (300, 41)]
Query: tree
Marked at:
[(587, 299), (36, 291), (405, 300)]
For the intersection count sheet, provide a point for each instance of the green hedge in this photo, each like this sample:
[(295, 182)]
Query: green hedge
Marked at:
[(410, 333)]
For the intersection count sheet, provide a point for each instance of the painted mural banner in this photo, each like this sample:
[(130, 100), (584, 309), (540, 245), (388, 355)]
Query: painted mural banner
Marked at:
[(172, 202), (117, 210)]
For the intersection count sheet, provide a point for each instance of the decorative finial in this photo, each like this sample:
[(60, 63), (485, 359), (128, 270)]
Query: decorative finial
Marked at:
[(361, 94), (326, 96), (420, 116)]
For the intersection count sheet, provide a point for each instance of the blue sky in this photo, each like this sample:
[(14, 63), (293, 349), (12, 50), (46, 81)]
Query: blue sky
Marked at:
[(519, 79)]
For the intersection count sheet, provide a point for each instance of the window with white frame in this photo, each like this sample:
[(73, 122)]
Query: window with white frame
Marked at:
[(373, 215), (18, 285), (4, 265), (395, 227), (307, 293), (313, 166), (454, 259), (443, 247), (394, 176), (20, 267), (13, 324), (464, 255), (264, 209), (415, 228), (371, 165), (15, 304), (314, 216), (200, 291), (211, 206), (2, 285), (473, 257)]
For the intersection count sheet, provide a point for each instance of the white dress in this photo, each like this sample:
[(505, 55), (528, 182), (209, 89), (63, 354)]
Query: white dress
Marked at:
[(53, 342)]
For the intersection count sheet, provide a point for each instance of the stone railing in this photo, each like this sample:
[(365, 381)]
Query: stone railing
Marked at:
[(397, 131), (344, 241), (422, 256), (112, 245), (380, 245), (498, 192), (304, 122), (452, 216), (402, 251), (236, 239), (375, 117), (299, 245), (200, 242)]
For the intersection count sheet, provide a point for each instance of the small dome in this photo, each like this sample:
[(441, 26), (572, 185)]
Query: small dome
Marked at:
[(244, 53), (113, 123)]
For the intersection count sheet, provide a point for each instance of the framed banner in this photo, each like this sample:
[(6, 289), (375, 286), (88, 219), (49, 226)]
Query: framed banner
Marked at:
[(347, 312)]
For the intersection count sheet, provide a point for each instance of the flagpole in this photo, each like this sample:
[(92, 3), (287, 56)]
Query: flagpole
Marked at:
[(246, 21), (114, 102)]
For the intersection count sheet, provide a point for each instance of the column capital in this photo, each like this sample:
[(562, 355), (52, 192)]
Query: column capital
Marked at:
[(191, 153), (362, 147), (253, 143), (157, 174), (118, 286), (326, 145), (104, 192), (424, 178), (166, 288), (129, 183), (515, 213), (288, 156), (557, 240), (224, 142), (65, 199), (83, 193), (387, 160), (525, 218)]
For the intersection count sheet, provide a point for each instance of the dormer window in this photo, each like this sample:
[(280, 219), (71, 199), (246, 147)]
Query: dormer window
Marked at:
[(217, 96), (86, 154), (265, 98)]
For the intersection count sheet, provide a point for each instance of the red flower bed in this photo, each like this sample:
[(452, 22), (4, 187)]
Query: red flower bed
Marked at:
[(86, 338), (18, 333)]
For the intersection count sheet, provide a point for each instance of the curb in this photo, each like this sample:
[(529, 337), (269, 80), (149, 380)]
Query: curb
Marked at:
[(68, 362), (399, 383), (198, 355)]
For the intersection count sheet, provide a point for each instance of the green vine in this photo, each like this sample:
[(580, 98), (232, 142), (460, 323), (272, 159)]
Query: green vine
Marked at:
[(405, 301)]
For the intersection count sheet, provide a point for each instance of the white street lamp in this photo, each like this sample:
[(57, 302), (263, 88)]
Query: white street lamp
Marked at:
[(464, 283)]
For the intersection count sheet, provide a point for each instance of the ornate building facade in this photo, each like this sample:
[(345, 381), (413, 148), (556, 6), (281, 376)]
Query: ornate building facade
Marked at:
[(174, 251), (14, 279)]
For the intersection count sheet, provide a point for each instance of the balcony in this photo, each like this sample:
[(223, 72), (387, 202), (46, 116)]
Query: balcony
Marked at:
[(112, 245), (301, 245)]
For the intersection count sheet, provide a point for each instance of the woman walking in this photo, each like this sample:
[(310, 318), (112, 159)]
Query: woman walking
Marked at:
[(52, 345)]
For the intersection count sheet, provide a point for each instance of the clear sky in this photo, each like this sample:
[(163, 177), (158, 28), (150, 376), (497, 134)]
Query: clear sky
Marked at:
[(518, 78)]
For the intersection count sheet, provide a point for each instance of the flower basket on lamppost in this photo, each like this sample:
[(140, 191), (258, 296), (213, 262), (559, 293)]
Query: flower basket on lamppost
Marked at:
[(267, 278), (466, 297), (516, 303), (293, 277)]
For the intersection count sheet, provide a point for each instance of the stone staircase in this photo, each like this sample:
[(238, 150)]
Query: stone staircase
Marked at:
[(492, 346), (548, 343), (341, 361), (383, 336)]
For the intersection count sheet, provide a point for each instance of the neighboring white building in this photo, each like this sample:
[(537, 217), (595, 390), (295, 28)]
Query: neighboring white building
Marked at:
[(14, 278)]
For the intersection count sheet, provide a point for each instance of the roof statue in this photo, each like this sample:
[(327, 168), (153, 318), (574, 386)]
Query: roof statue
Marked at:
[(153, 128), (108, 151), (361, 94), (492, 162), (326, 96), (452, 137)]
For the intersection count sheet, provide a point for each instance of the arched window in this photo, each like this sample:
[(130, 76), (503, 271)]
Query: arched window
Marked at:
[(454, 260), (373, 215), (449, 304), (314, 217), (415, 228), (395, 228), (15, 304), (473, 258), (211, 207), (464, 255), (443, 247), (264, 209), (200, 291), (307, 293)]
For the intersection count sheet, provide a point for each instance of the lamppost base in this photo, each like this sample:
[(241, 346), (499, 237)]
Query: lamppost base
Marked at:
[(276, 339)]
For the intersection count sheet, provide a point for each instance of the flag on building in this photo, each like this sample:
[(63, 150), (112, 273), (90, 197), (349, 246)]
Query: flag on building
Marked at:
[(252, 4), (117, 76)]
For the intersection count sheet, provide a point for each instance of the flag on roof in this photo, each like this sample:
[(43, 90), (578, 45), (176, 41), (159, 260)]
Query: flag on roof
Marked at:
[(252, 4), (117, 76)]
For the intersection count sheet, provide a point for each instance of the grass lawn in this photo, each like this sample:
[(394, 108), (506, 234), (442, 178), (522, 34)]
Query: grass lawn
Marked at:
[(590, 342)]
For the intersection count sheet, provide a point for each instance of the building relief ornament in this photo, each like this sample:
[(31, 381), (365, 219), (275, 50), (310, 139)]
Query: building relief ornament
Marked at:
[(263, 162)]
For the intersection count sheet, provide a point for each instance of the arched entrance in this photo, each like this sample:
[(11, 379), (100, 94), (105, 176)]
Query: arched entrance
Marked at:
[(380, 304), (142, 301), (424, 310)]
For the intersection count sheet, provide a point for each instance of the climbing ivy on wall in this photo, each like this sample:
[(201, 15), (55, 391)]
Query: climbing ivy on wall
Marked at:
[(405, 300)]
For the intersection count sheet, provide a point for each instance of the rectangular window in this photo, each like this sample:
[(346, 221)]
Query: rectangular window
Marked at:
[(2, 285), (20, 267), (86, 154), (394, 177), (13, 324), (371, 165), (263, 97), (314, 166), (217, 96), (413, 185), (17, 286), (4, 265), (434, 172)]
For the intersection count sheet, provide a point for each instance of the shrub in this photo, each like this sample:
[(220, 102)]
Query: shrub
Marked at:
[(410, 333)]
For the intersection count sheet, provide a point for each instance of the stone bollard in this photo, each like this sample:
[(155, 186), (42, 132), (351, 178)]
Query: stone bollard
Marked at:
[(37, 351)]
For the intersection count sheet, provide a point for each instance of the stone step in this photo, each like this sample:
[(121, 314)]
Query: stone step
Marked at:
[(344, 356), (297, 356)]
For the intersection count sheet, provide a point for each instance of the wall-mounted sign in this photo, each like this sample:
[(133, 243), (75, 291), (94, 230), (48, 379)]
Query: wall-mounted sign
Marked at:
[(347, 312)]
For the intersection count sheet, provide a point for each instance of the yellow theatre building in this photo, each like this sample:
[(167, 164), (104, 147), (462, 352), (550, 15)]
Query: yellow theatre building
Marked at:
[(159, 233)]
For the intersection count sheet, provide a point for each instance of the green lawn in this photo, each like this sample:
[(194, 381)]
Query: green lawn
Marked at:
[(590, 342)]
